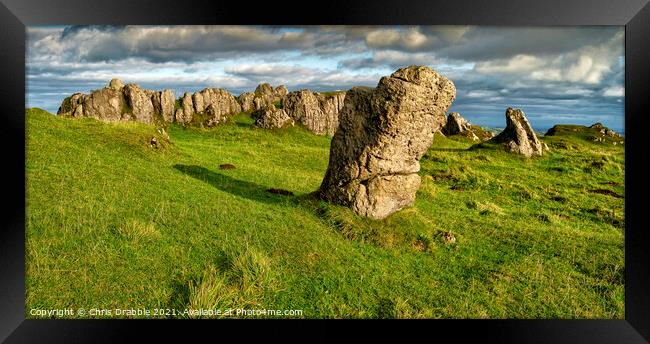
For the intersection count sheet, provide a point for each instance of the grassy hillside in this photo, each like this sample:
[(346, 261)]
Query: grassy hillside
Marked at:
[(114, 223)]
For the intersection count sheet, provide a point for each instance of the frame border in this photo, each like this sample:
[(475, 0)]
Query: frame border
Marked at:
[(633, 14)]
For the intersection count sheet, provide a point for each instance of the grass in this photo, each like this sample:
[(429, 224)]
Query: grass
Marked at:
[(114, 222)]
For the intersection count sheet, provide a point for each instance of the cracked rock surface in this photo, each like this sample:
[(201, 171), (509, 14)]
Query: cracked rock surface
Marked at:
[(382, 134)]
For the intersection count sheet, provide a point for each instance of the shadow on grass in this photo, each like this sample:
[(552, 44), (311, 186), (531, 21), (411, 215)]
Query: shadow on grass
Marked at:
[(234, 186), (449, 149)]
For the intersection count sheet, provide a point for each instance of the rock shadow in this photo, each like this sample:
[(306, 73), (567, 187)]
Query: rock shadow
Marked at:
[(449, 149), (234, 186)]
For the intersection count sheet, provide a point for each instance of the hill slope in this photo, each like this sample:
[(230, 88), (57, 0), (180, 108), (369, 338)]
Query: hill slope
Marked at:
[(114, 223)]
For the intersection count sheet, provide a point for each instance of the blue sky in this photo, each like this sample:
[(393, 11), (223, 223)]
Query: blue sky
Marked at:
[(554, 74)]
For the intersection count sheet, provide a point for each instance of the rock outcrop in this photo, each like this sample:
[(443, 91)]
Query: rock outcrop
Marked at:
[(383, 133), (271, 117), (207, 107), (247, 101), (518, 136), (456, 125), (319, 113), (119, 102), (263, 97), (597, 132)]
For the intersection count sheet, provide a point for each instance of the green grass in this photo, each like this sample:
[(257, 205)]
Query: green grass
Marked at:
[(113, 222)]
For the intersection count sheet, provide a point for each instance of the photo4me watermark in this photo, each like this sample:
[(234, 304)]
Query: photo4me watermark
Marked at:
[(161, 313)]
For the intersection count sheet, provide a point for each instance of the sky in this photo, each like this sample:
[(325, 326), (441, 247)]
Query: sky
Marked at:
[(556, 75)]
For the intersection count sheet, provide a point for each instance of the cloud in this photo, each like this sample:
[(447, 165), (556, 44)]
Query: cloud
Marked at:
[(545, 70), (614, 91)]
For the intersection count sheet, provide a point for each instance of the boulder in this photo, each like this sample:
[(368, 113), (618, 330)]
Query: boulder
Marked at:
[(264, 89), (106, 104), (270, 118), (317, 112), (187, 107), (456, 125), (116, 84), (518, 136), (382, 134), (140, 104), (281, 91), (167, 102), (222, 103), (197, 101), (246, 100)]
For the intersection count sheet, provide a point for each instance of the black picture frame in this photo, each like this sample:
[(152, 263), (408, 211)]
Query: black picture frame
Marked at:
[(634, 15)]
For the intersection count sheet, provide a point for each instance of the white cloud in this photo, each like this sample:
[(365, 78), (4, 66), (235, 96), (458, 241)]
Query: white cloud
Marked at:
[(614, 91)]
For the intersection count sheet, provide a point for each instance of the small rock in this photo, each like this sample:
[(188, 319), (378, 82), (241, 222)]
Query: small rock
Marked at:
[(449, 238), (226, 167)]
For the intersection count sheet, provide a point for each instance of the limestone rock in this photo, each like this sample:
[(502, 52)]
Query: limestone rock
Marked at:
[(281, 91), (197, 101), (246, 100), (167, 102), (188, 108), (117, 102), (270, 118), (317, 112), (382, 134), (116, 84), (264, 89), (139, 103), (518, 136), (456, 125), (219, 102), (107, 104)]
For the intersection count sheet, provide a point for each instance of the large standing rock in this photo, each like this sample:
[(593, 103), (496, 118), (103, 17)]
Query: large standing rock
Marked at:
[(456, 125), (167, 102), (518, 136), (270, 118), (187, 107), (220, 102), (382, 134), (197, 100), (107, 104), (139, 102), (317, 112)]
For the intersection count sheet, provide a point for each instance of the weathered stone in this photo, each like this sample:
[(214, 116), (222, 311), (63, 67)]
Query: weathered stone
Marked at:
[(264, 89), (382, 134), (281, 91), (139, 103), (518, 136), (271, 117), (107, 104), (197, 100), (456, 125), (317, 112), (246, 100), (121, 102), (179, 117), (116, 84), (167, 102), (220, 103), (188, 108)]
